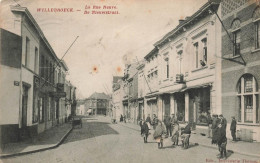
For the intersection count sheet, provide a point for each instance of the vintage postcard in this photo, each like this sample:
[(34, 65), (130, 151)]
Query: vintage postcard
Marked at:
[(130, 81)]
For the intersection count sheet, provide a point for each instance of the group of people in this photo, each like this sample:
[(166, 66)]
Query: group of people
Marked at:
[(168, 128), (217, 126)]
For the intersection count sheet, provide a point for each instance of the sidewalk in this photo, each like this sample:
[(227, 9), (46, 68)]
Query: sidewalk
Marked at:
[(240, 147), (49, 139)]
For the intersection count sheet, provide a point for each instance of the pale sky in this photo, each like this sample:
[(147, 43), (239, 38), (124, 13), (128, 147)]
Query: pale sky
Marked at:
[(105, 39)]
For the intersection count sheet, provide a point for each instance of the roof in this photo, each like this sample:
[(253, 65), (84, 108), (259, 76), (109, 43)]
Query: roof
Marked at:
[(187, 21), (99, 96), (154, 51), (37, 27), (64, 65)]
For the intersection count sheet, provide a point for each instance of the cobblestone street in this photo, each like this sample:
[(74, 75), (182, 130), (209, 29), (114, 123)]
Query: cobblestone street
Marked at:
[(100, 141)]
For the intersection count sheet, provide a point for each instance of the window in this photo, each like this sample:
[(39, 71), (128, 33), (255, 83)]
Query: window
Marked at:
[(236, 36), (257, 35), (236, 45), (41, 110), (42, 70), (205, 52), (256, 18), (167, 68), (248, 99), (36, 61), (196, 47), (27, 52), (36, 105)]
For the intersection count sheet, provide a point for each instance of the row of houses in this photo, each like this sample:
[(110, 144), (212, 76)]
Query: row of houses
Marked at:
[(35, 94), (209, 63)]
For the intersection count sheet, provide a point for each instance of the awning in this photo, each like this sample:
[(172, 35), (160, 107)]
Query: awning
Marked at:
[(197, 86), (89, 111)]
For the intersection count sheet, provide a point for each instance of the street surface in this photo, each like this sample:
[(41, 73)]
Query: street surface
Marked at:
[(101, 141)]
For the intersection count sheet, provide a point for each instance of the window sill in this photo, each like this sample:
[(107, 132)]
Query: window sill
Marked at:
[(233, 57), (248, 124), (255, 50), (198, 69)]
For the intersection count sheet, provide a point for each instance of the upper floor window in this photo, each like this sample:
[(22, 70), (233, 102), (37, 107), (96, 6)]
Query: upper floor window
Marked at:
[(27, 52), (248, 99), (256, 19), (42, 68), (236, 36), (205, 52), (196, 48), (167, 72), (36, 61)]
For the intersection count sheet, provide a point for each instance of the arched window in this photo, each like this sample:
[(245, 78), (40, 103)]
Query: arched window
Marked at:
[(236, 36), (256, 20), (248, 99)]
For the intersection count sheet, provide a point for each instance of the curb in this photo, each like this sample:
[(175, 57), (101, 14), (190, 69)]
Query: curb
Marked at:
[(208, 146), (38, 150)]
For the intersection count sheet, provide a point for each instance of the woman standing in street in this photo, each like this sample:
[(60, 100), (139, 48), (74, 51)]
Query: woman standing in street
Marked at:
[(158, 134)]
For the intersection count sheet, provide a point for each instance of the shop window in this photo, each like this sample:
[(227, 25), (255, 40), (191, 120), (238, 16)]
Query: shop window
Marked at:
[(41, 110), (203, 105), (248, 99), (36, 105)]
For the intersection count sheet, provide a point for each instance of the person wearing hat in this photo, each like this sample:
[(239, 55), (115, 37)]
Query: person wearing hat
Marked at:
[(233, 128)]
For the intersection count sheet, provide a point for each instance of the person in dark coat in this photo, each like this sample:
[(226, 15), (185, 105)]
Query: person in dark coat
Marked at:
[(233, 128), (221, 140), (145, 131), (121, 118), (185, 135), (148, 121), (167, 122), (215, 122), (141, 124), (223, 121), (155, 121)]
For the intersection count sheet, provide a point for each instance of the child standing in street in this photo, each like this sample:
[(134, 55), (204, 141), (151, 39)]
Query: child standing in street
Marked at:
[(145, 131)]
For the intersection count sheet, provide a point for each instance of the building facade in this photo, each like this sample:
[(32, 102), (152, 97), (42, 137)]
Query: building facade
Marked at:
[(28, 62), (241, 65)]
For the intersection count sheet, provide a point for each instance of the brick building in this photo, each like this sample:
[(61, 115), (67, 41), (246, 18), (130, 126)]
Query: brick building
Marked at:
[(241, 65)]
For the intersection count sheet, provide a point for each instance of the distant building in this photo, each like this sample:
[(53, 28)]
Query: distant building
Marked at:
[(97, 104)]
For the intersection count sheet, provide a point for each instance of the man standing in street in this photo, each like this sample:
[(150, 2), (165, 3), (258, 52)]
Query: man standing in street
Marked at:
[(233, 128), (167, 122)]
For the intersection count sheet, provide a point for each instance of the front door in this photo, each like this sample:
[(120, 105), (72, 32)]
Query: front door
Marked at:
[(24, 106)]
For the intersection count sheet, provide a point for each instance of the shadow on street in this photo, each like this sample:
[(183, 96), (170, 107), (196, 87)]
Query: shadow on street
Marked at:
[(90, 130)]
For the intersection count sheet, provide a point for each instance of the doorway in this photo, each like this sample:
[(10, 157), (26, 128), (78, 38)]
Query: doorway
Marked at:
[(24, 105)]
